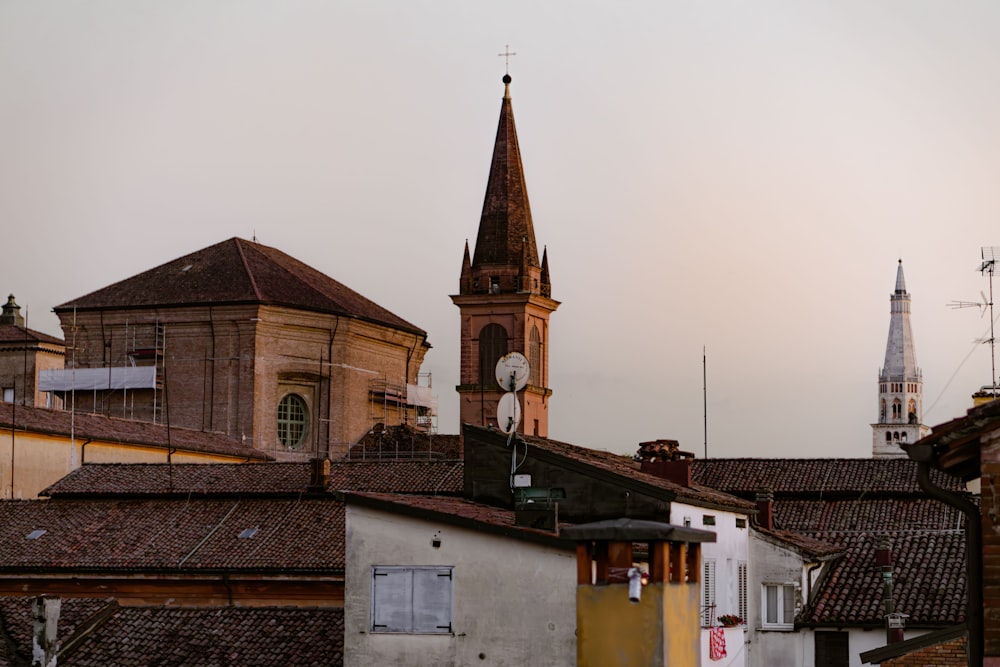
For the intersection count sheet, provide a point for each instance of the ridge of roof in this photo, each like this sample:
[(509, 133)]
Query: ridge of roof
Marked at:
[(237, 271)]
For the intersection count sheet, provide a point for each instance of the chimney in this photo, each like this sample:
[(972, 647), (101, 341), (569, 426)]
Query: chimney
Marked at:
[(319, 475), (765, 509), (895, 622), (664, 459)]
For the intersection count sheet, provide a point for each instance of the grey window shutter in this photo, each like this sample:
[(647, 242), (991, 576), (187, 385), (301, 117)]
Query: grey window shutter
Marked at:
[(392, 600), (432, 600)]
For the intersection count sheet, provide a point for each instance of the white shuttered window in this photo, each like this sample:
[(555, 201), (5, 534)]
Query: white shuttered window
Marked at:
[(414, 600)]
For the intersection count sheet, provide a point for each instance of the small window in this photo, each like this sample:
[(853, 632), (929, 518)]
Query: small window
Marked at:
[(708, 520), (8, 394), (741, 523), (293, 418), (778, 602), (415, 600)]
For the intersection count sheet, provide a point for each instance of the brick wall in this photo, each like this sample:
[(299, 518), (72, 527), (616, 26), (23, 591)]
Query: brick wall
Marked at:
[(990, 481), (947, 654)]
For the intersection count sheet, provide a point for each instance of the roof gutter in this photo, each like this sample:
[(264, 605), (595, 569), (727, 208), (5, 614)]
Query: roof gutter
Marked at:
[(923, 454)]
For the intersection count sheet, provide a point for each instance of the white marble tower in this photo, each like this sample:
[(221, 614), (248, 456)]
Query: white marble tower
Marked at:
[(900, 382)]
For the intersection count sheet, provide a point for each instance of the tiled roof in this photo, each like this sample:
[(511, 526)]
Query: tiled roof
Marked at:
[(851, 503), (12, 333), (811, 476), (16, 624), (179, 636), (928, 580), (405, 442), (84, 426), (697, 494), (429, 477), (915, 513), (182, 479), (456, 511), (248, 479), (181, 535), (238, 271), (804, 544)]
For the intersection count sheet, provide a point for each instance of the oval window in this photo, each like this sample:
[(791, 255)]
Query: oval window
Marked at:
[(293, 419)]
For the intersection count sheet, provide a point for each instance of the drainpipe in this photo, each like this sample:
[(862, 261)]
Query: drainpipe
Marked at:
[(923, 454)]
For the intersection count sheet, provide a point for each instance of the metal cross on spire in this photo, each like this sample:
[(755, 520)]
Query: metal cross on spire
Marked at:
[(507, 53)]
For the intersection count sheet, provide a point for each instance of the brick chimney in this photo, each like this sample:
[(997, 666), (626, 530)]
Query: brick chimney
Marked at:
[(765, 509), (44, 642), (664, 459)]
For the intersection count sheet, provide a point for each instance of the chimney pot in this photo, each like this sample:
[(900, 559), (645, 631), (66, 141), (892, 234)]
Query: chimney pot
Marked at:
[(765, 509)]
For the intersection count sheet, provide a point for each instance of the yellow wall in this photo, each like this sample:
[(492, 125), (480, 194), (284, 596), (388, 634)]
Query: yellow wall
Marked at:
[(40, 460), (662, 630)]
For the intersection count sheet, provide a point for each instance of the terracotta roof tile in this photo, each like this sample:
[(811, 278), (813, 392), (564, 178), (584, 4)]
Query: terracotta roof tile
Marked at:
[(16, 623), (432, 477), (929, 580), (448, 509), (176, 534), (181, 636), (746, 476), (851, 503), (238, 271), (182, 479), (626, 466), (111, 429), (232, 479), (13, 334), (405, 442)]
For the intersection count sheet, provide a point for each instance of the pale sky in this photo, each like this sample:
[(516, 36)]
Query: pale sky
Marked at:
[(741, 176)]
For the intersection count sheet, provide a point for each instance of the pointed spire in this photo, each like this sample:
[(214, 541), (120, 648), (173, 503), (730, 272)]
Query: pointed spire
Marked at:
[(465, 280), (506, 233), (900, 353), (546, 281)]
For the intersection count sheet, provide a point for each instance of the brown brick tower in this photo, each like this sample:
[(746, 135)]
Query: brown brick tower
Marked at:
[(505, 293)]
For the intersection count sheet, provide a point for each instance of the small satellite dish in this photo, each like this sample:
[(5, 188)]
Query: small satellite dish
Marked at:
[(508, 413), (513, 366)]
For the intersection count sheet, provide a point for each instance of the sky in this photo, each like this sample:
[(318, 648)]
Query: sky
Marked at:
[(729, 177)]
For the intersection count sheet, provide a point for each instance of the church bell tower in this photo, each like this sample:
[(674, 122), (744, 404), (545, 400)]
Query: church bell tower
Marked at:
[(505, 295), (900, 382)]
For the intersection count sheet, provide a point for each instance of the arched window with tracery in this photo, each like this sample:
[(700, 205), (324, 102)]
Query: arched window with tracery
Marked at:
[(492, 346), (535, 357)]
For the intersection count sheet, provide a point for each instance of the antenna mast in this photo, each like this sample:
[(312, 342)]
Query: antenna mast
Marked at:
[(704, 394), (989, 254), (987, 266)]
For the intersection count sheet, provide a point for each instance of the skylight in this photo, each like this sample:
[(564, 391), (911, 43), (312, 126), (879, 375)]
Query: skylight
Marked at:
[(248, 533), (35, 534)]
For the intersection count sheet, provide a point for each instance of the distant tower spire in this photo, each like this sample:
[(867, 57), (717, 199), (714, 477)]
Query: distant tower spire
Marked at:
[(504, 293), (901, 386)]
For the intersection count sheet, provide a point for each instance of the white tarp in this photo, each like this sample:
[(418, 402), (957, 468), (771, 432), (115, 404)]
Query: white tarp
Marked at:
[(422, 396), (95, 379)]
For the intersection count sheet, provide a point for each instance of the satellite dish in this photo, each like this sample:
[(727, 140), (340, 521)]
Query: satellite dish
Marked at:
[(512, 371), (508, 413)]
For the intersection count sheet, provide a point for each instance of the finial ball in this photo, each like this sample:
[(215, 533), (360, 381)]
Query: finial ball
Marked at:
[(506, 78)]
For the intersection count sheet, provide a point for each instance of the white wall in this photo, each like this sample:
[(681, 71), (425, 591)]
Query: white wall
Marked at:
[(731, 546), (514, 601)]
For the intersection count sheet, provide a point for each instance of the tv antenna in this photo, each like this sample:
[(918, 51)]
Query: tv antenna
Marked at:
[(987, 266)]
